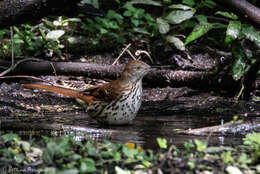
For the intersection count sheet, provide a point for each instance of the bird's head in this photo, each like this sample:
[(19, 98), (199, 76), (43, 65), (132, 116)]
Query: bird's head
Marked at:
[(135, 70)]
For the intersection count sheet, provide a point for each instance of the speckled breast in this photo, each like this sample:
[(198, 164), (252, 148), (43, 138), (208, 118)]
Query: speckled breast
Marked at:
[(122, 110)]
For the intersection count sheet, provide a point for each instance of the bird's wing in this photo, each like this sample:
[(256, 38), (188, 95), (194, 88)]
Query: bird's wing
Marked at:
[(106, 92)]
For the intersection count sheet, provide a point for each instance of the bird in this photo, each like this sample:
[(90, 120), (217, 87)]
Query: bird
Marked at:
[(113, 103)]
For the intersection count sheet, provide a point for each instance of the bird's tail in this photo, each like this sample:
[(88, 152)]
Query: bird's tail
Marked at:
[(64, 91)]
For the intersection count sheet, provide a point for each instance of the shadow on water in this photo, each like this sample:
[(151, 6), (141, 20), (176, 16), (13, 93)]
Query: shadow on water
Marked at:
[(144, 130)]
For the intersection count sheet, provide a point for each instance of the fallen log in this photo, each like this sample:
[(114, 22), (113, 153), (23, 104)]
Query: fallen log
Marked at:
[(232, 127), (155, 78)]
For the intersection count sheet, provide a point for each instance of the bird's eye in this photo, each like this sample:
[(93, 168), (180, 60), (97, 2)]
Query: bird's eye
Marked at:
[(138, 67)]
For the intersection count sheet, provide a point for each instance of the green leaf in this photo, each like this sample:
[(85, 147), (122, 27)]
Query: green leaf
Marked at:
[(198, 31), (50, 170), (233, 31), (136, 22), (180, 6), (163, 26), (19, 158), (92, 151), (189, 2), (252, 139), (208, 3), (49, 152), (10, 137), (167, 1), (162, 142), (130, 153), (121, 171), (114, 15), (103, 31), (91, 2), (87, 166), (146, 2), (227, 157), (201, 145), (251, 34), (68, 171), (176, 42), (178, 16), (117, 156), (141, 30), (202, 18), (219, 26), (55, 34), (127, 13), (227, 15), (239, 64)]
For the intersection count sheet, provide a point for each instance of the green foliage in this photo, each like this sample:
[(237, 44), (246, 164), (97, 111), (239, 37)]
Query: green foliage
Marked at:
[(91, 2), (162, 142), (233, 31), (179, 24), (227, 15), (227, 157), (199, 30), (200, 145), (35, 41), (253, 140), (67, 155), (239, 64)]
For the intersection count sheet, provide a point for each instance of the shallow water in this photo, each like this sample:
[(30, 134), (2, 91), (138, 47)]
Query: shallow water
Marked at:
[(143, 131)]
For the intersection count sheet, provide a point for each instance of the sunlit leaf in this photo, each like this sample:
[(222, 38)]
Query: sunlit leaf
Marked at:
[(233, 31), (72, 20), (130, 153), (163, 25), (121, 171), (162, 142), (227, 14), (251, 34), (87, 166), (19, 158), (117, 156), (227, 157), (198, 31), (201, 145), (141, 30), (176, 42), (9, 137), (252, 139), (178, 16), (55, 34), (180, 6)]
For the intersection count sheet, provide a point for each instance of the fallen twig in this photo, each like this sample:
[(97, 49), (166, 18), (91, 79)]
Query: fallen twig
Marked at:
[(12, 67)]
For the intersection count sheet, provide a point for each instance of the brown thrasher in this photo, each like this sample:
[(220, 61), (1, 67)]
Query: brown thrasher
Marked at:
[(116, 102)]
